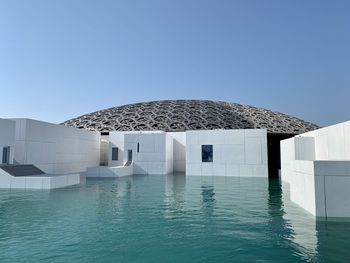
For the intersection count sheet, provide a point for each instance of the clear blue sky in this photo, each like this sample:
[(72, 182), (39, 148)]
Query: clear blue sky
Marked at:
[(60, 59)]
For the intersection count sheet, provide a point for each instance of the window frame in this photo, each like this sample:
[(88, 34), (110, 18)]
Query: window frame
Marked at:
[(115, 151), (207, 154)]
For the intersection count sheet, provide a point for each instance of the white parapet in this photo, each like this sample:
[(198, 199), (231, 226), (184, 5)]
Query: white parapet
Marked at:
[(321, 187), (106, 171), (41, 182)]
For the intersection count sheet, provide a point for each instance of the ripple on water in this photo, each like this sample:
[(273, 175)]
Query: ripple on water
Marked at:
[(166, 218)]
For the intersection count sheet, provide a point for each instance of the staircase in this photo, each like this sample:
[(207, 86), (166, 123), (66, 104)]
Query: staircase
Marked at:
[(128, 163), (21, 169)]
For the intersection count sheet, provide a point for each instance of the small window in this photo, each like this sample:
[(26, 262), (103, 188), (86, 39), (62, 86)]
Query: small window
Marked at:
[(138, 147), (115, 153), (5, 155), (207, 153)]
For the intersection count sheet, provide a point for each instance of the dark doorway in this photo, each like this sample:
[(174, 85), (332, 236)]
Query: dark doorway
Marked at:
[(129, 159), (130, 156), (274, 152)]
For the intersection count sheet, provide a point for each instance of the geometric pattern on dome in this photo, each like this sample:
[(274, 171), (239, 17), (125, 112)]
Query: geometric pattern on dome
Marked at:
[(182, 115)]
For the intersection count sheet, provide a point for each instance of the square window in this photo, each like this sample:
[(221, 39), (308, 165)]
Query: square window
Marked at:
[(207, 153), (115, 153)]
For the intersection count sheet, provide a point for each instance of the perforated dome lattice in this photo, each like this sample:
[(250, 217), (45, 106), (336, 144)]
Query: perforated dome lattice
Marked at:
[(182, 115)]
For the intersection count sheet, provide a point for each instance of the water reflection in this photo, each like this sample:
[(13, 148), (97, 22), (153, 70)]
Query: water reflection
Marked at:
[(122, 186), (275, 198), (111, 197), (294, 226), (174, 199), (333, 240), (312, 239), (208, 198), (173, 216), (289, 226), (278, 225)]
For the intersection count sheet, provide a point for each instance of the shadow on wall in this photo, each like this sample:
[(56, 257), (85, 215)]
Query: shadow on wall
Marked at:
[(179, 156)]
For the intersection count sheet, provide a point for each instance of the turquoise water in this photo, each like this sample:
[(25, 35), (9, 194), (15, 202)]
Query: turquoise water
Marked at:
[(166, 219)]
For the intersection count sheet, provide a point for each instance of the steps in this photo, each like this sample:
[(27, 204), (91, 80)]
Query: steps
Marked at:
[(22, 170), (128, 163)]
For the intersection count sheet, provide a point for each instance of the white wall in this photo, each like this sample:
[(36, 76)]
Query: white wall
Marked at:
[(37, 182), (106, 171), (305, 148), (332, 143), (317, 167), (179, 151), (287, 156), (332, 192), (169, 154), (116, 139), (292, 149), (155, 152), (56, 148), (235, 153), (7, 137)]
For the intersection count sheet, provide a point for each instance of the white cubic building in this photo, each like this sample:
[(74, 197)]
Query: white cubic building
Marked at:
[(7, 141), (316, 165), (179, 117), (150, 153), (201, 138), (40, 155), (56, 149), (207, 153), (227, 153)]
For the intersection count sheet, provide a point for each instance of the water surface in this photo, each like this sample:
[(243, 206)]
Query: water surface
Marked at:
[(166, 219)]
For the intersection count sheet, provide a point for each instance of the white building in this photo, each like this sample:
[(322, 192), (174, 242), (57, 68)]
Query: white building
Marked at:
[(7, 141), (227, 153), (41, 155), (196, 137), (60, 150), (317, 167), (56, 149), (207, 153)]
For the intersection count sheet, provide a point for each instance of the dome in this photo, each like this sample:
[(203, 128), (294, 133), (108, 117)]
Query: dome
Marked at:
[(182, 115)]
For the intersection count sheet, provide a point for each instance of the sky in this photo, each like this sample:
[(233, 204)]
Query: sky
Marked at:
[(62, 59)]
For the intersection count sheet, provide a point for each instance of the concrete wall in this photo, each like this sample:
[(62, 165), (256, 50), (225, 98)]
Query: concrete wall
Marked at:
[(155, 152), (321, 187), (287, 156), (7, 137), (296, 148), (235, 153), (169, 154), (55, 148), (106, 171), (317, 167), (37, 182), (332, 143), (332, 184), (116, 139)]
